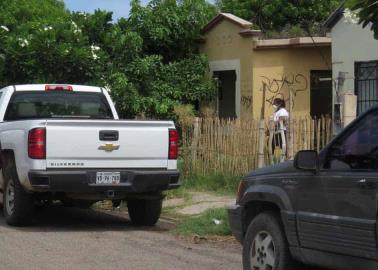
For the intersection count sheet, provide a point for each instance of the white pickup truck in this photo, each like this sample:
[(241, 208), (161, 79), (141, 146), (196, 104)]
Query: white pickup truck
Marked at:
[(65, 142)]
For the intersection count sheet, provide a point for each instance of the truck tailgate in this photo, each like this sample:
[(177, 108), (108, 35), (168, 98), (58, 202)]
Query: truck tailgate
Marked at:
[(107, 144)]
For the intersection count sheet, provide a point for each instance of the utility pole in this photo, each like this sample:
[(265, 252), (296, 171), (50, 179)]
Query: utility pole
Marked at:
[(290, 143), (261, 141)]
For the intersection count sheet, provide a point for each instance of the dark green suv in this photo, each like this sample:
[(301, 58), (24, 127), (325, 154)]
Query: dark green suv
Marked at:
[(320, 209)]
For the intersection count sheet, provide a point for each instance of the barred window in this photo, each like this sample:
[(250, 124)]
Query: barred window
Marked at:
[(366, 85)]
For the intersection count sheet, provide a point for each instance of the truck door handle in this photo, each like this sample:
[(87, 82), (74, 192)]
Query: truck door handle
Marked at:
[(365, 184), (109, 135)]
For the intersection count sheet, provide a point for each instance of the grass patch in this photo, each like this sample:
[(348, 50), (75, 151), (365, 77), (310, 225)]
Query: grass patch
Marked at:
[(181, 192), (204, 225), (219, 183)]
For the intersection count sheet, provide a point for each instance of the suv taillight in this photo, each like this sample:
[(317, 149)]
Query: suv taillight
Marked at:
[(173, 144), (37, 143)]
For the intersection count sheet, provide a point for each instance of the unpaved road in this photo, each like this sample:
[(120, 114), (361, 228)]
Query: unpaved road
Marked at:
[(69, 238)]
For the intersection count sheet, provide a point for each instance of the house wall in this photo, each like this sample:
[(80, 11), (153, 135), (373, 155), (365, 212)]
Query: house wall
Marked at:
[(351, 43), (284, 70), (281, 68), (228, 50)]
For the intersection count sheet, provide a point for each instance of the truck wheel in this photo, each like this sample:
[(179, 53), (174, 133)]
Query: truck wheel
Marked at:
[(144, 212), (18, 205), (265, 246)]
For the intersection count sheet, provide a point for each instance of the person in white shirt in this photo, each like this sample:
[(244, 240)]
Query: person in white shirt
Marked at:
[(279, 114)]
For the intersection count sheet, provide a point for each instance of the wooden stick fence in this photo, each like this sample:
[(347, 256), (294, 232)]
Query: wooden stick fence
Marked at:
[(213, 145)]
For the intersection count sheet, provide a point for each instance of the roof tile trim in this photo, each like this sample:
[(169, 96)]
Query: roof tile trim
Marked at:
[(226, 16), (293, 42)]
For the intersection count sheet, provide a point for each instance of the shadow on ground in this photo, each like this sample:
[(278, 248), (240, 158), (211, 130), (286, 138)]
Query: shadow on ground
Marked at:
[(59, 218)]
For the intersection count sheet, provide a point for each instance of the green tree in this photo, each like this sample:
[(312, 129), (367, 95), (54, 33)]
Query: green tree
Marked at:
[(367, 11), (149, 61), (21, 13), (278, 14), (163, 67), (43, 43), (169, 28)]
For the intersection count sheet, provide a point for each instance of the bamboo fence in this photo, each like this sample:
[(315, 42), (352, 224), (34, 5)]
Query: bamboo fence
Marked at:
[(225, 146)]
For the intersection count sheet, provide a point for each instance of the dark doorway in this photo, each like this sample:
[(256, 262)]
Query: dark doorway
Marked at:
[(226, 93), (321, 93)]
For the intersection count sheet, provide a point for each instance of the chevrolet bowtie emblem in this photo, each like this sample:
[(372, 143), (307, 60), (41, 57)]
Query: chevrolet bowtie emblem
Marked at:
[(109, 147)]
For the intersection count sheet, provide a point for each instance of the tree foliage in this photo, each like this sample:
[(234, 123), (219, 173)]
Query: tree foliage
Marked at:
[(367, 11), (149, 61), (169, 28), (278, 14)]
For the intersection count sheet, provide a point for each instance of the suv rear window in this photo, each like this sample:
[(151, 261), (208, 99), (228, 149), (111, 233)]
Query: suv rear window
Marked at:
[(57, 104)]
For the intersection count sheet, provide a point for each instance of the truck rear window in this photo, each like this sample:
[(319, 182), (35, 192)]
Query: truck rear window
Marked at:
[(58, 104)]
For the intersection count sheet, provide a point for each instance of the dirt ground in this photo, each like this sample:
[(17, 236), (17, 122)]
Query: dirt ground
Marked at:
[(198, 203), (68, 238)]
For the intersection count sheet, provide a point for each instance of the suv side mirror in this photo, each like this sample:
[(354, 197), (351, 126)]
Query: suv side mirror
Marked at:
[(306, 160)]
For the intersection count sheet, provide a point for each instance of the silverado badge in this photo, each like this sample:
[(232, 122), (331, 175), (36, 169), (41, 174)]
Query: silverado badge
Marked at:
[(109, 147)]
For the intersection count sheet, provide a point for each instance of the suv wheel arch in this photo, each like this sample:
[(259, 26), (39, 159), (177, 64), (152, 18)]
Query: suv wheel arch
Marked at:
[(254, 208)]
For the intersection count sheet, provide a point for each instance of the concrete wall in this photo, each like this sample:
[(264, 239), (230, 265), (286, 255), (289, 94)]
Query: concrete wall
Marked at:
[(281, 68), (285, 70), (351, 43), (228, 50)]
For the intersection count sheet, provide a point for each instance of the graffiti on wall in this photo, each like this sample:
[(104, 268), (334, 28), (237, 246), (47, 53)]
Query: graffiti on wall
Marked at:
[(246, 101), (246, 98), (283, 85)]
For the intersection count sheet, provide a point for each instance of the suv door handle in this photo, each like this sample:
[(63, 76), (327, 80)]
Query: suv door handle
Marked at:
[(365, 184)]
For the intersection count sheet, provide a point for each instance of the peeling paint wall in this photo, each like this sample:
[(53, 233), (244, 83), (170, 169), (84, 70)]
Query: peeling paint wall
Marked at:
[(282, 69), (286, 70)]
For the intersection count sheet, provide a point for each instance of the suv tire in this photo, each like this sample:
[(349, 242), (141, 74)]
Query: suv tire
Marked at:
[(265, 245), (144, 212), (18, 205)]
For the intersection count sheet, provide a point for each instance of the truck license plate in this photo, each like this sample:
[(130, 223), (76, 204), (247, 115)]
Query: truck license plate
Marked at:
[(108, 177)]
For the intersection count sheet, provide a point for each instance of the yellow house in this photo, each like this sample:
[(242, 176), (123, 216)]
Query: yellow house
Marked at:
[(297, 70)]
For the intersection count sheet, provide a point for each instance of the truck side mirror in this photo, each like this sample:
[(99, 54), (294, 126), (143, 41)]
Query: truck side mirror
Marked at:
[(307, 160)]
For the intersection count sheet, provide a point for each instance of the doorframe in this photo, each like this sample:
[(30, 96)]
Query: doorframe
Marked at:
[(225, 65), (331, 89)]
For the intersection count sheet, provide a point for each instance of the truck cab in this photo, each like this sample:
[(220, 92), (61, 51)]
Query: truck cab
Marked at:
[(320, 209)]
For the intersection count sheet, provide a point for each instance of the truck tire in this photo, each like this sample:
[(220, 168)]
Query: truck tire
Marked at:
[(18, 205), (144, 212), (265, 245)]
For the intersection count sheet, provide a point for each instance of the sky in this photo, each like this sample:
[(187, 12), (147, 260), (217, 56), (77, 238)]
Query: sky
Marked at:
[(120, 8)]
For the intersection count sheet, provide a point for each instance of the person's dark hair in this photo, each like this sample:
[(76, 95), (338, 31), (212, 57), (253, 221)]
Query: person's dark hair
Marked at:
[(279, 102)]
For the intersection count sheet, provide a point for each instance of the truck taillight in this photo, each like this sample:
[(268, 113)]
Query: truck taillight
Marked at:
[(173, 144), (37, 143), (50, 87)]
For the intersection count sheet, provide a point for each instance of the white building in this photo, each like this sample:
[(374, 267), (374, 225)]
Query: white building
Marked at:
[(354, 65)]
